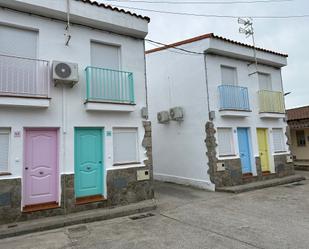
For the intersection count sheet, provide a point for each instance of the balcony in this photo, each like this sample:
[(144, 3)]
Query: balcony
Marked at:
[(271, 104), (234, 101), (109, 90), (24, 82)]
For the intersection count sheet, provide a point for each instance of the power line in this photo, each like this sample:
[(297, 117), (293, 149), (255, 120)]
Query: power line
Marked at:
[(176, 48), (212, 15), (173, 51), (200, 2)]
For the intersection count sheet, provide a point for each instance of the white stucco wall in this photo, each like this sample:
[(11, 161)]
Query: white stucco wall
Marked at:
[(254, 120), (178, 79), (51, 46), (179, 150)]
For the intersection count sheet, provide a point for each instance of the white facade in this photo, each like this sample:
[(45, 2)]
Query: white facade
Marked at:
[(66, 107), (191, 81)]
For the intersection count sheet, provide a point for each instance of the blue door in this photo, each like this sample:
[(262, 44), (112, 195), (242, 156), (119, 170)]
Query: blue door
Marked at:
[(244, 149), (88, 162)]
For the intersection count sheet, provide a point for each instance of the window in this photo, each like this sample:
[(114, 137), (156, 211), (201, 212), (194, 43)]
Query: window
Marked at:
[(20, 42), (264, 81), (4, 150), (300, 137), (225, 142), (279, 141), (125, 145), (105, 56), (229, 75)]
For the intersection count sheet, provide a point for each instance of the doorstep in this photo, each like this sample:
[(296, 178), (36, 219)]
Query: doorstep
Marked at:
[(261, 184), (43, 224)]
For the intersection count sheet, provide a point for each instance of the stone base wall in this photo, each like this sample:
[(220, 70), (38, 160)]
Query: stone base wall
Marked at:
[(232, 175), (122, 188)]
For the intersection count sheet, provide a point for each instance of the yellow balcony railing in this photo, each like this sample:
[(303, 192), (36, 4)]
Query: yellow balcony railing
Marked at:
[(271, 101)]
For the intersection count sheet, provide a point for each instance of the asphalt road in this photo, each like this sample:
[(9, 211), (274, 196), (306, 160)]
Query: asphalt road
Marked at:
[(271, 218)]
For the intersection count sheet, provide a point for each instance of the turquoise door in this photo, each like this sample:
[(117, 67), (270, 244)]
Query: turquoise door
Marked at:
[(88, 162), (244, 149)]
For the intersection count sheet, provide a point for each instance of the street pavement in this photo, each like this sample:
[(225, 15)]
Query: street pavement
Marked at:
[(189, 218)]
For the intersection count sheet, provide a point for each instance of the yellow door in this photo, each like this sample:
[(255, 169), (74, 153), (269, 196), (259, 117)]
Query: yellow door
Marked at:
[(263, 149)]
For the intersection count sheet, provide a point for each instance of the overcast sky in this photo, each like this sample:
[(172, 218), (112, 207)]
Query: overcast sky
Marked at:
[(289, 36)]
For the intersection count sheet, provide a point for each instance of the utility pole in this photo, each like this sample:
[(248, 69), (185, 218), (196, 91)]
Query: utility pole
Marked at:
[(248, 30)]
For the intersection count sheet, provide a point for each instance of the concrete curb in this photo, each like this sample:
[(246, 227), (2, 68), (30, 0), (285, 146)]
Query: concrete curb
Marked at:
[(261, 184), (22, 228)]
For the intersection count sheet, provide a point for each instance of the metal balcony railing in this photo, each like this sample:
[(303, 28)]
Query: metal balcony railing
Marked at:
[(107, 85), (24, 77), (234, 98), (271, 101)]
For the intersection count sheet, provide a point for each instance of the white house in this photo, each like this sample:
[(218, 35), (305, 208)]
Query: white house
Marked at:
[(72, 86), (233, 126)]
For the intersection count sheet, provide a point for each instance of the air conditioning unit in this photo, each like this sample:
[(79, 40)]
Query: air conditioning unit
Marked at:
[(176, 113), (163, 117), (65, 73)]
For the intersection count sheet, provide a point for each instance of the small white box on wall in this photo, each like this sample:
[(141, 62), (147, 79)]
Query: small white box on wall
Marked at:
[(220, 166), (289, 159), (142, 175)]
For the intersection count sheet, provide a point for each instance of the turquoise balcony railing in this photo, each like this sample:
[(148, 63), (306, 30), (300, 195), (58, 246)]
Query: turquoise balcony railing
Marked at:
[(234, 98), (107, 85)]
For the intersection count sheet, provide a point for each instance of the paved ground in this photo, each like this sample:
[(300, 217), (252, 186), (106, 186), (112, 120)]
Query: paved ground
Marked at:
[(271, 218)]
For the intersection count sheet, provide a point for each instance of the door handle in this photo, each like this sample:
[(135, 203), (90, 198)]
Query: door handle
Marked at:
[(41, 173), (100, 161), (26, 168), (88, 168)]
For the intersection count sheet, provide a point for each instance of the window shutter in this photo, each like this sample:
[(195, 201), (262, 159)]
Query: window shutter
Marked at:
[(4, 151), (225, 141), (264, 81), (105, 56), (278, 137), (16, 41), (125, 145), (229, 76)]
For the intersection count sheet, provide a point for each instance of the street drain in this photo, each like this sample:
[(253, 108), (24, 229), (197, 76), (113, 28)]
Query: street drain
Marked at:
[(77, 229), (142, 216)]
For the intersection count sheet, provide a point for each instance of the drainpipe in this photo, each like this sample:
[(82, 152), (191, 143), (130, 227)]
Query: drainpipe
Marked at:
[(145, 75), (206, 81), (64, 132)]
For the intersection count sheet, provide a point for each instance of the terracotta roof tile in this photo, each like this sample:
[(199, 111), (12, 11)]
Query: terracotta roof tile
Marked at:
[(102, 5), (298, 113), (211, 35)]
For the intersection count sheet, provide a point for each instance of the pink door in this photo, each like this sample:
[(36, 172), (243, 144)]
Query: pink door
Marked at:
[(40, 167)]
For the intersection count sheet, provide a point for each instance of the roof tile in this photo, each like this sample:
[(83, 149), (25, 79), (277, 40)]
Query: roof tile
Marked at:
[(211, 35), (102, 5), (298, 113)]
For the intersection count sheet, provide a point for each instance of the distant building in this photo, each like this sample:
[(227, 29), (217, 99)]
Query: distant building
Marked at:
[(233, 126), (63, 147), (298, 121)]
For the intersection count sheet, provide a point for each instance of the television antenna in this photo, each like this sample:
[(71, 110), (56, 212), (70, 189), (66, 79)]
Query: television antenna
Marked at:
[(247, 30)]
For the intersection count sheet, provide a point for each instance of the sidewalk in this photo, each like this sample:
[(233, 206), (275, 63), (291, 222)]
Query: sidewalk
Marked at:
[(261, 184), (21, 228)]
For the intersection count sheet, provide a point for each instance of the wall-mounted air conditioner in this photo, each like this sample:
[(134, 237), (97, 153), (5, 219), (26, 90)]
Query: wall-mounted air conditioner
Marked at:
[(65, 73), (176, 113), (163, 117)]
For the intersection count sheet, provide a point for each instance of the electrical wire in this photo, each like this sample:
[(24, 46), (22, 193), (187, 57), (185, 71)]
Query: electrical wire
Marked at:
[(171, 46), (212, 15), (200, 2)]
